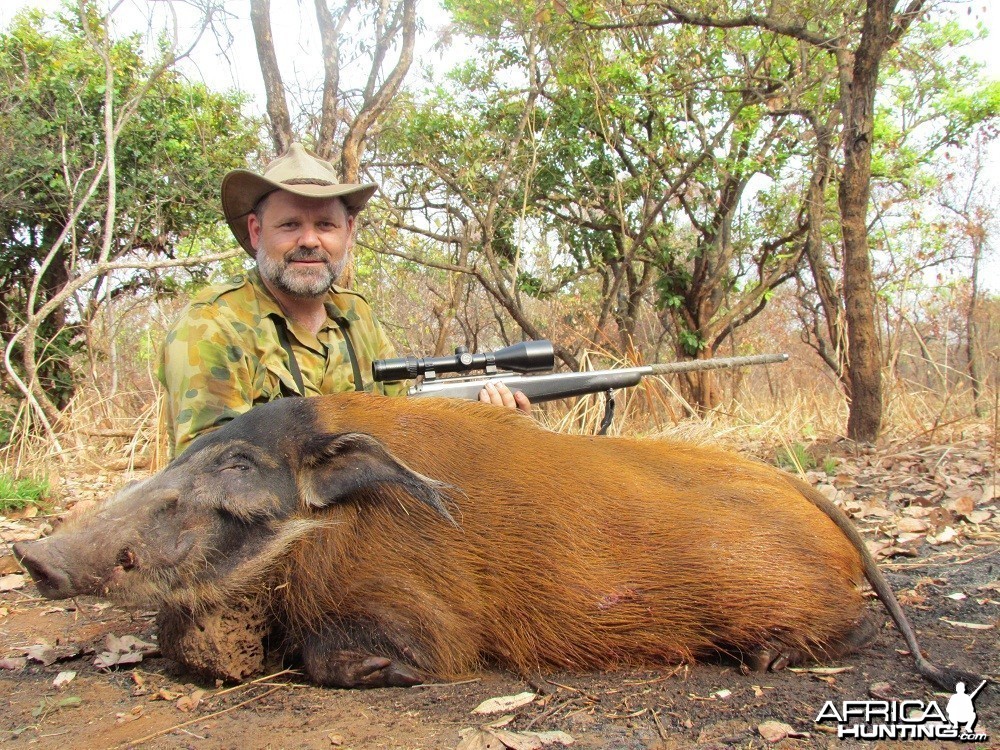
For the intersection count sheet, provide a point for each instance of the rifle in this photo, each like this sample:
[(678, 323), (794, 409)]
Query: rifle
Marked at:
[(512, 364)]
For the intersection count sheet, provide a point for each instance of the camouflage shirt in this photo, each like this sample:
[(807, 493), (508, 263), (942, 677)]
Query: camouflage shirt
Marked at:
[(224, 355)]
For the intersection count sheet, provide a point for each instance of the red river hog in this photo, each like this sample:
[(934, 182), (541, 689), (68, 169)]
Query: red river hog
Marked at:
[(394, 541)]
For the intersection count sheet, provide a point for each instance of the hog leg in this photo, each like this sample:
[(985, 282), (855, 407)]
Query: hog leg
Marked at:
[(774, 657), (330, 660)]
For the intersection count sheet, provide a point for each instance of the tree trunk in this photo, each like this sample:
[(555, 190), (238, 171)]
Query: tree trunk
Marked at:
[(279, 122), (972, 330)]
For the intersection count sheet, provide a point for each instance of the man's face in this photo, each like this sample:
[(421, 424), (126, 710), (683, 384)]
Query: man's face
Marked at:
[(302, 244)]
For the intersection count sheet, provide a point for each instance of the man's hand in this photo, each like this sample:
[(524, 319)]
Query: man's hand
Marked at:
[(500, 395)]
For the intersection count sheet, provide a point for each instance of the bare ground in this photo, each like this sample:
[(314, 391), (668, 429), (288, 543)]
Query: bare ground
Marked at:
[(930, 511)]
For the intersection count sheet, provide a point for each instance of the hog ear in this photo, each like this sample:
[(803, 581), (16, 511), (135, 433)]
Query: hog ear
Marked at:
[(335, 466)]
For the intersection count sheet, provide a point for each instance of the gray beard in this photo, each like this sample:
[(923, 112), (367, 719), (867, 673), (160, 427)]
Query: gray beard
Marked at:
[(283, 277)]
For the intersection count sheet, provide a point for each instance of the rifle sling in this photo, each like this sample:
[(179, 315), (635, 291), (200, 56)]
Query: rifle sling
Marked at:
[(293, 364)]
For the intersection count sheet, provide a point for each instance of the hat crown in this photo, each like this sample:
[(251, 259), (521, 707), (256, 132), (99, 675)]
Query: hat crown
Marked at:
[(297, 166)]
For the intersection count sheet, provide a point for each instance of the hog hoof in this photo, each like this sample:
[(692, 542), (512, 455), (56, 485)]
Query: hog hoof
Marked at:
[(767, 659), (354, 669)]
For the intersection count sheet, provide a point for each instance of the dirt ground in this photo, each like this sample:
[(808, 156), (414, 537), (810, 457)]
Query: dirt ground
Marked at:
[(929, 511)]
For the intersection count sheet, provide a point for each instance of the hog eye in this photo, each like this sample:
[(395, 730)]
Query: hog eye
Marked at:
[(238, 462)]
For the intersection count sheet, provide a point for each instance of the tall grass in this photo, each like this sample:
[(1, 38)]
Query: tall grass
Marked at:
[(775, 416)]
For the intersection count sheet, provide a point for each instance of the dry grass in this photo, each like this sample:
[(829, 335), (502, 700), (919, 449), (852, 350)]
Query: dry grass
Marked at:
[(122, 433)]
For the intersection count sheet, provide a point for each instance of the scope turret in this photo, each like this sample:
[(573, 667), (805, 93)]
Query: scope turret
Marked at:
[(528, 356)]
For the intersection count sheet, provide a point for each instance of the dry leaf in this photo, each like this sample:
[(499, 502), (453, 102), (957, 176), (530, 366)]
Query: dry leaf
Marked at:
[(479, 739), (125, 650), (948, 534), (962, 506), (774, 731), (504, 703), (880, 690), (12, 582), (165, 695), (979, 516), (912, 526), (63, 679), (517, 741), (132, 715), (723, 694), (957, 596), (190, 702), (42, 653), (13, 663)]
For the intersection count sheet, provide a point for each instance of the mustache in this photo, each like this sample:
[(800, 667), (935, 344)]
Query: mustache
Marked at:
[(306, 254)]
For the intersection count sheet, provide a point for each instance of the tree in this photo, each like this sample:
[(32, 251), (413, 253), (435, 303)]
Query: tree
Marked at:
[(972, 204), (858, 37), (345, 114), (109, 160)]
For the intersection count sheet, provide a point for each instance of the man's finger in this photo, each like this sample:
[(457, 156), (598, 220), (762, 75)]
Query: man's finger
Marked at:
[(506, 397), (523, 402)]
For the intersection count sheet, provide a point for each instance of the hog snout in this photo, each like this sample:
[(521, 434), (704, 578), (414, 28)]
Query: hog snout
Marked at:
[(47, 568)]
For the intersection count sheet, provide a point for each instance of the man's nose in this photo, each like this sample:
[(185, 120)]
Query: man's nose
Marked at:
[(309, 237)]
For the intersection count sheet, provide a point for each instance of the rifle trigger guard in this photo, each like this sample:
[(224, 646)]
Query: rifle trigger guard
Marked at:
[(609, 411)]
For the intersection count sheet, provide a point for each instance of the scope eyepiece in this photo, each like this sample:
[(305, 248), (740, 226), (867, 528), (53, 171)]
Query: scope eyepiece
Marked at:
[(528, 356)]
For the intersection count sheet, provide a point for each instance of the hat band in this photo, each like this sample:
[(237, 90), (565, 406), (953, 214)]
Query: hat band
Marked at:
[(307, 181)]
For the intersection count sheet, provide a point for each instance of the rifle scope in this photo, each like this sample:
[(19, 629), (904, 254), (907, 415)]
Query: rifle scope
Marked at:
[(528, 356)]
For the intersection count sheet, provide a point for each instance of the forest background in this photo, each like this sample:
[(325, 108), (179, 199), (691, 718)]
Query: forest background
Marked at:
[(637, 182)]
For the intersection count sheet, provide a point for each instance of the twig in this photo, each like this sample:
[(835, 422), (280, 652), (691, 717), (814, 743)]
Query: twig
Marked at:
[(446, 684), (573, 689), (254, 682), (206, 717), (551, 712), (659, 726)]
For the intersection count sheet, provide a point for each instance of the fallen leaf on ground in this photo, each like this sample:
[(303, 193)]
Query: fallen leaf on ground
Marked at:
[(13, 663), (486, 738), (504, 703), (947, 535), (912, 525), (774, 731), (132, 715), (63, 679), (479, 739), (42, 653), (125, 650), (12, 582), (190, 702), (961, 506), (880, 690)]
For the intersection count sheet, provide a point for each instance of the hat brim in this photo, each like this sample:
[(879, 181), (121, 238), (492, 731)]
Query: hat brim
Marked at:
[(242, 190)]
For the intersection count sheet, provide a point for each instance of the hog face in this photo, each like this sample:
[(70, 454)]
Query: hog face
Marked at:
[(210, 525)]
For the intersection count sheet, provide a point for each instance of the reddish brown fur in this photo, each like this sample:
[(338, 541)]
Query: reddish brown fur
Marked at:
[(570, 551)]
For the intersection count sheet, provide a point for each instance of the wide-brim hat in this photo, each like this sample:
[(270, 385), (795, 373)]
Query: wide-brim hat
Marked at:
[(299, 172)]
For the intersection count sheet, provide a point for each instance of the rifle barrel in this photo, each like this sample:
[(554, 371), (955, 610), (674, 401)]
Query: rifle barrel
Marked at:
[(714, 364), (558, 385)]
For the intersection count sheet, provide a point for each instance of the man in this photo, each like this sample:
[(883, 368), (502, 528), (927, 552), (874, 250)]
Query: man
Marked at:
[(284, 329)]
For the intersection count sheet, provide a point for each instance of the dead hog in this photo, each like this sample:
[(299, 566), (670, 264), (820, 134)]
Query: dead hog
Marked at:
[(394, 541)]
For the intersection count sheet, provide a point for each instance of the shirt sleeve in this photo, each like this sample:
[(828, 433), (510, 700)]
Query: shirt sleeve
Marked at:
[(207, 376)]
